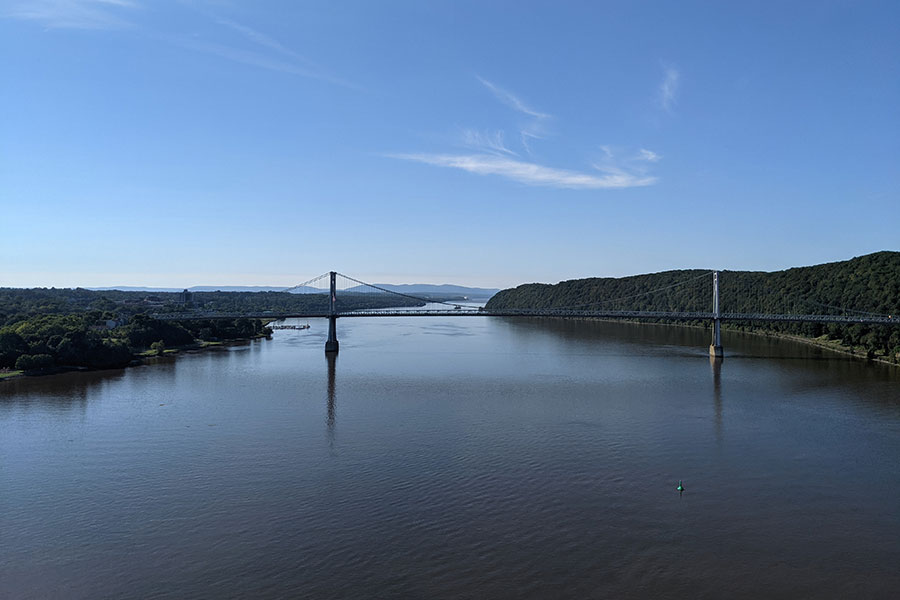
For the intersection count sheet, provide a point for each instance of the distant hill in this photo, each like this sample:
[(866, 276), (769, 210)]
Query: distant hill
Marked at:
[(21, 305), (869, 283), (194, 288), (132, 288), (424, 289), (234, 288), (433, 290)]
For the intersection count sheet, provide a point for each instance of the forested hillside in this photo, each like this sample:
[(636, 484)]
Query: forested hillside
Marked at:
[(866, 284), (43, 329), (17, 304)]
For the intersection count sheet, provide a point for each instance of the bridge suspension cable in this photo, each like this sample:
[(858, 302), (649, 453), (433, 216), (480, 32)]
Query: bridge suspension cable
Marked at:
[(308, 284), (410, 296)]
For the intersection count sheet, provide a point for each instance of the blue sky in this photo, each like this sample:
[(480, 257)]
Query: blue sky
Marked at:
[(178, 143)]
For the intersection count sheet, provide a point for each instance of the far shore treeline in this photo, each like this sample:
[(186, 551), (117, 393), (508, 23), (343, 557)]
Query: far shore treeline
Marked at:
[(866, 284), (48, 328)]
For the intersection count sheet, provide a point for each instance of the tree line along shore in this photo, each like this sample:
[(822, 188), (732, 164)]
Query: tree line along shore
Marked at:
[(867, 284), (44, 330), (47, 329)]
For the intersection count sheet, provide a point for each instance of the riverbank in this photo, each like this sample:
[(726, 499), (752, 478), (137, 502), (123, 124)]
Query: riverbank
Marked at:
[(9, 374), (198, 346), (819, 342), (827, 344)]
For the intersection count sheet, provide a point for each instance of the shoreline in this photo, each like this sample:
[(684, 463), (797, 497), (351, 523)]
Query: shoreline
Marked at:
[(830, 345), (137, 360), (825, 345), (200, 346)]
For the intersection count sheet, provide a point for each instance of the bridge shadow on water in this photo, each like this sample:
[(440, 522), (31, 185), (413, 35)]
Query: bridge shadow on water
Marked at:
[(797, 367), (331, 359), (738, 345), (715, 364)]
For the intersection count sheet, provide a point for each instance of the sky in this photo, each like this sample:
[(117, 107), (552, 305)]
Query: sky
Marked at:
[(213, 142)]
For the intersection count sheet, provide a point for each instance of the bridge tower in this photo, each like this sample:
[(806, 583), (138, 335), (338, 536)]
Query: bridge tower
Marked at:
[(715, 348), (331, 344)]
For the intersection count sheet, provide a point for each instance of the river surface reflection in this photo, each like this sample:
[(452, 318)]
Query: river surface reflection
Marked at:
[(457, 458)]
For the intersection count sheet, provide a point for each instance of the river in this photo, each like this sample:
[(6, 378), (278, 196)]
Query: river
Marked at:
[(457, 458)]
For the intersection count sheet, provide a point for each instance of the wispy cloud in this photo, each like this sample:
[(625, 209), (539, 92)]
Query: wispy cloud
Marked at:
[(274, 55), (525, 136), (511, 100), (534, 127), (491, 142), (246, 57), (264, 52), (668, 89), (648, 155), (494, 157), (627, 162), (531, 173), (263, 40), (73, 14)]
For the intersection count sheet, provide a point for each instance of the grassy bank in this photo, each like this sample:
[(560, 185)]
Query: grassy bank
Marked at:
[(198, 345)]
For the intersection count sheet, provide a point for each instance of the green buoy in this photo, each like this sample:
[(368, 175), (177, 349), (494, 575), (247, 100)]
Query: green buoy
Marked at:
[(680, 487)]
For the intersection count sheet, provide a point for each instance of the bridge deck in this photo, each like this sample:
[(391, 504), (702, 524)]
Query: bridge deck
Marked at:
[(577, 314)]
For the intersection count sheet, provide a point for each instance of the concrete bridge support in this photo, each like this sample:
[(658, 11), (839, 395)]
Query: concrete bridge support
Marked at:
[(715, 348), (331, 344)]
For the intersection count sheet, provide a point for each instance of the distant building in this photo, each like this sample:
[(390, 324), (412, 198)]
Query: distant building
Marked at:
[(185, 297)]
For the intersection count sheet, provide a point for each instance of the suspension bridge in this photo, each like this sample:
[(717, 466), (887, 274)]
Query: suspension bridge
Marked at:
[(348, 297)]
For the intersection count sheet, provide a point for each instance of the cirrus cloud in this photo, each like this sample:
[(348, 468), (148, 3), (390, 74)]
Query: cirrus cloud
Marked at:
[(532, 173), (648, 155), (668, 89), (73, 14)]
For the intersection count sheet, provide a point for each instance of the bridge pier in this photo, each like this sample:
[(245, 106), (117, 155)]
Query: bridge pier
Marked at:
[(715, 348), (331, 344)]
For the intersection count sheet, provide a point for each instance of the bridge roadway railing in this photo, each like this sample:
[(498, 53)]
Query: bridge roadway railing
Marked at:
[(861, 320), (674, 316), (627, 314)]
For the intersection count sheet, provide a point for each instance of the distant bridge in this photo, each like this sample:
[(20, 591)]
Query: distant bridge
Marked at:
[(546, 313), (332, 313)]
